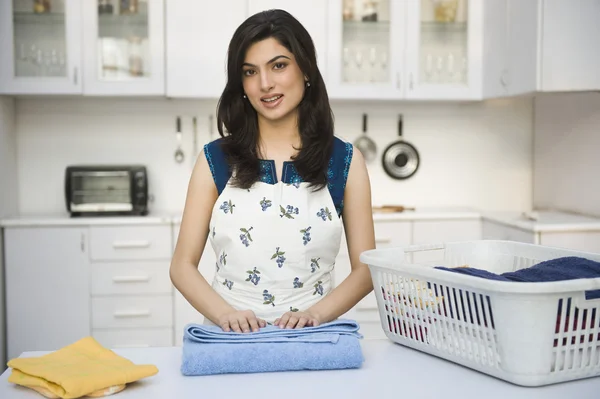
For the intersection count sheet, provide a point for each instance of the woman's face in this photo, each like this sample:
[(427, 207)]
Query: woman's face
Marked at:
[(272, 80)]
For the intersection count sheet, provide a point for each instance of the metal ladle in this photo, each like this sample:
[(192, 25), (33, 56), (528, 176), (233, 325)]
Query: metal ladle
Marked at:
[(179, 156)]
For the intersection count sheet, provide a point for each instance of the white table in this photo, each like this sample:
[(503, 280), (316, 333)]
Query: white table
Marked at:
[(389, 371)]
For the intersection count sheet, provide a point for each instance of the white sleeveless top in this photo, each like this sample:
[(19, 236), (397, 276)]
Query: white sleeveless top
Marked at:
[(276, 243)]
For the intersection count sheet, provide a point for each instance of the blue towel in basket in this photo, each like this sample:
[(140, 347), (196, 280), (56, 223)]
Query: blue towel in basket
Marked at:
[(209, 350), (559, 269)]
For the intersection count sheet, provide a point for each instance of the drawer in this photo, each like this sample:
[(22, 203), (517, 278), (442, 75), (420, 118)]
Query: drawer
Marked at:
[(132, 312), (130, 242), (131, 278), (134, 338), (392, 234)]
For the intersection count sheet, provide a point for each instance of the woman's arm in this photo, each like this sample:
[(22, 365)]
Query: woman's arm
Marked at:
[(358, 225), (193, 233)]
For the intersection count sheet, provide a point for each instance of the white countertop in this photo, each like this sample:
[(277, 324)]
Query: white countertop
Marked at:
[(547, 221), (63, 219), (389, 371)]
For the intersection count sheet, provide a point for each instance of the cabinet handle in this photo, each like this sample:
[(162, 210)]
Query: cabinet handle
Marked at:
[(134, 313), (75, 71), (131, 244), (130, 279), (82, 243), (410, 82), (398, 85)]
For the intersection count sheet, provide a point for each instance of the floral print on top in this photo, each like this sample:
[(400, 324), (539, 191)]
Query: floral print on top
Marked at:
[(277, 242)]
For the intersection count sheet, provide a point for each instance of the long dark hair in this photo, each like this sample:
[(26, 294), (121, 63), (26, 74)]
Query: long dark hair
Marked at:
[(238, 117)]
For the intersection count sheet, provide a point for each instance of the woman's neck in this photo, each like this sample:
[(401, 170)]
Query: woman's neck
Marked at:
[(277, 139)]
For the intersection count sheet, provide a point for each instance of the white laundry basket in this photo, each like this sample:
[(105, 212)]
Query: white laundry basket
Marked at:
[(530, 334)]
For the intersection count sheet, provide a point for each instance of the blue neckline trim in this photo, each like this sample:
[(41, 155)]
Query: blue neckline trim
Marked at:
[(289, 174)]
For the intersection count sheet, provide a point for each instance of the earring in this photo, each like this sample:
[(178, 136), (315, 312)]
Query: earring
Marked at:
[(244, 96), (307, 84)]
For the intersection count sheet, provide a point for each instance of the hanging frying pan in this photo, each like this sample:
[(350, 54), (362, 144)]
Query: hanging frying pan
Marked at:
[(400, 159), (365, 144)]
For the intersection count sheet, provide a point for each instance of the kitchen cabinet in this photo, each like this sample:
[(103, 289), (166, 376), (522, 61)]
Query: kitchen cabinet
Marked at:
[(579, 238), (131, 291), (124, 47), (497, 231), (568, 56), (41, 47), (426, 50), (312, 14), (47, 290), (197, 39)]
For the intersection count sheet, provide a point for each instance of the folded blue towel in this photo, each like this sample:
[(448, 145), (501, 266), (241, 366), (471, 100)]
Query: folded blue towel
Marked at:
[(559, 269), (209, 350)]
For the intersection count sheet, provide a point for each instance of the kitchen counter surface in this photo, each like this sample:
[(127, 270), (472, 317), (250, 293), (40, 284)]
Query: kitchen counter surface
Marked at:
[(175, 218), (547, 221), (390, 370)]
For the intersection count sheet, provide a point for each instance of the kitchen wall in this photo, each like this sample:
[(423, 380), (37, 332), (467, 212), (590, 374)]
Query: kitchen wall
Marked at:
[(566, 157), (473, 154), (8, 195)]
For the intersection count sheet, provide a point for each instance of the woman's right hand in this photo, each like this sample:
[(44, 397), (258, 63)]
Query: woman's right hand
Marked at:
[(241, 321)]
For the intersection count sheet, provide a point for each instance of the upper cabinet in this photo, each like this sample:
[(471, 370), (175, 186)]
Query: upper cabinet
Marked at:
[(40, 42), (197, 37), (365, 49), (427, 49), (123, 47), (312, 14), (569, 59)]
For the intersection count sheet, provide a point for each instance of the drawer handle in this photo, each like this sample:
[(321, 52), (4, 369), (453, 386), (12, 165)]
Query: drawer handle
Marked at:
[(130, 279), (383, 240), (131, 244), (138, 313), (132, 346)]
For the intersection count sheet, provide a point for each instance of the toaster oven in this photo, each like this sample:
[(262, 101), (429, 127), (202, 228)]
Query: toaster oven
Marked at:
[(106, 190)]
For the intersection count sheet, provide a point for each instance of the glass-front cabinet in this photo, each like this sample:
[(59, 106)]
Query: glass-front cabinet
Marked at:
[(443, 49), (365, 43), (40, 42), (405, 49), (124, 47)]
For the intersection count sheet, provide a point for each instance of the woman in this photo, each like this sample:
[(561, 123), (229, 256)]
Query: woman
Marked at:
[(271, 194)]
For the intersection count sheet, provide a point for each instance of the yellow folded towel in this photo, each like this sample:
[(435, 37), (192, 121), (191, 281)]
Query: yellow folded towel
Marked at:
[(84, 368)]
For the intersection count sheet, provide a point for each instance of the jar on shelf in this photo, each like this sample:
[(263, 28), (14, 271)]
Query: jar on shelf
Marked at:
[(41, 6)]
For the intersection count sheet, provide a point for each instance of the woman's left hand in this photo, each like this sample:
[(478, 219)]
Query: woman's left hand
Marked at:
[(297, 320)]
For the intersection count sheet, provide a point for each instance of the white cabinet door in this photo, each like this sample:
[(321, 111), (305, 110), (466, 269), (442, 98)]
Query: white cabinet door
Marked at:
[(47, 288), (365, 49), (569, 59), (41, 49), (522, 38), (197, 39), (312, 14), (496, 231), (587, 241), (427, 232), (444, 44), (124, 49)]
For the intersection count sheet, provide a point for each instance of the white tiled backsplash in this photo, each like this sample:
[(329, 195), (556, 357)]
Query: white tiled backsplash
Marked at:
[(472, 154)]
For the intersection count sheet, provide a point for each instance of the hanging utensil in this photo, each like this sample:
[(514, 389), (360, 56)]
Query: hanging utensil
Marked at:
[(365, 144), (400, 159), (179, 152), (195, 132)]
